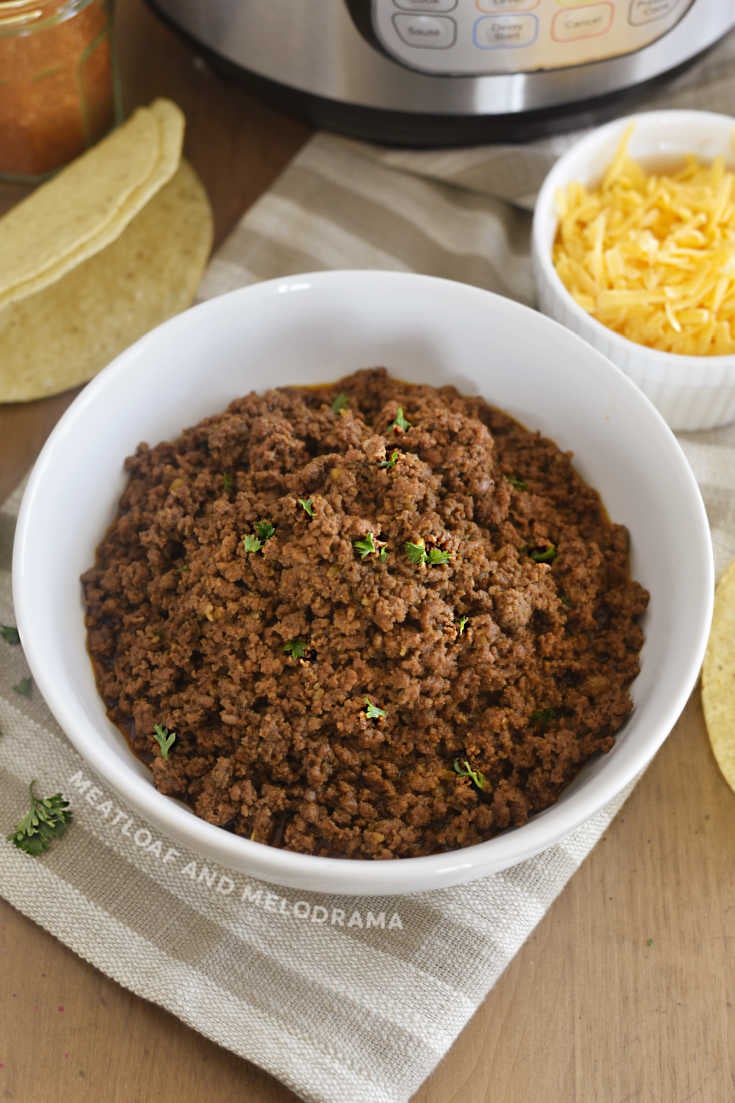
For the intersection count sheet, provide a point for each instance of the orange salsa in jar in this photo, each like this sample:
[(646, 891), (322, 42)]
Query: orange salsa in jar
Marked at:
[(57, 82)]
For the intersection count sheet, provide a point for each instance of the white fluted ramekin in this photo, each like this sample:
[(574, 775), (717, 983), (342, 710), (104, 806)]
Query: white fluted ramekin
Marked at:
[(692, 392)]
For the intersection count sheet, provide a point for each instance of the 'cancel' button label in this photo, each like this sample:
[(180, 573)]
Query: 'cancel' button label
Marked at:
[(567, 26)]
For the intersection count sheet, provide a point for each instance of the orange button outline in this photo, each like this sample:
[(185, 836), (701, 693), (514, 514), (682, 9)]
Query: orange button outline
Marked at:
[(584, 7)]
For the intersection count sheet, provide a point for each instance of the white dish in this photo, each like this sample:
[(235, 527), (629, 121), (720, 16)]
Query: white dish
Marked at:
[(692, 392), (310, 328)]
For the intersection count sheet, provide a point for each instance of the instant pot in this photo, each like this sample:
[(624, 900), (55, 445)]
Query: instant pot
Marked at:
[(442, 72)]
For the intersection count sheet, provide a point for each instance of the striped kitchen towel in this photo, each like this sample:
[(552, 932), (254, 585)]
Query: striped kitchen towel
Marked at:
[(346, 1001)]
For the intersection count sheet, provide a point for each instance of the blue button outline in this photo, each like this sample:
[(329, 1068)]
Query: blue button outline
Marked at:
[(502, 45)]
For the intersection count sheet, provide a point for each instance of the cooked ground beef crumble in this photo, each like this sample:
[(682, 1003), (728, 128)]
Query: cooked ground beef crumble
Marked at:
[(331, 690)]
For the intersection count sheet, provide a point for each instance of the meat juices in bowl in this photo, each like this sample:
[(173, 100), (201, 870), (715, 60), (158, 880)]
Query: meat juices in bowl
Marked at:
[(368, 620)]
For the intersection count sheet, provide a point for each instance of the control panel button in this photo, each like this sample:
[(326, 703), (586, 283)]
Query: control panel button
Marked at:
[(585, 22), (648, 11), (426, 5), (506, 5), (427, 32), (505, 32)]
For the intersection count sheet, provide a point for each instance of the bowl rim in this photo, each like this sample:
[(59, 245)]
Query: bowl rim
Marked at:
[(386, 877), (544, 210)]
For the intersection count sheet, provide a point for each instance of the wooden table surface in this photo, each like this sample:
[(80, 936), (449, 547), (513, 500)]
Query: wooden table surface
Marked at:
[(624, 992)]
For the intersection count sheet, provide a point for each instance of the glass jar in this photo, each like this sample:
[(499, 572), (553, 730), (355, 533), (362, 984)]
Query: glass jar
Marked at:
[(58, 91)]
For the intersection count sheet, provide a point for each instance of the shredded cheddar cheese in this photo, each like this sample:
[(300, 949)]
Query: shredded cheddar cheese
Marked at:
[(652, 255)]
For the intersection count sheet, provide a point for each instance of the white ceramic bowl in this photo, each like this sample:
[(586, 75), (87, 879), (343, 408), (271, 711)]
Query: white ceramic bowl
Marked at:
[(310, 328), (692, 392)]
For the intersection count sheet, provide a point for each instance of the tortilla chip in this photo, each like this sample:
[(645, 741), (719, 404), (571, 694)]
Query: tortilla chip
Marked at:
[(718, 678), (89, 203), (64, 334)]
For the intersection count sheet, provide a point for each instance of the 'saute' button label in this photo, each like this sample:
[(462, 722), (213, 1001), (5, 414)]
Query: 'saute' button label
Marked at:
[(426, 31)]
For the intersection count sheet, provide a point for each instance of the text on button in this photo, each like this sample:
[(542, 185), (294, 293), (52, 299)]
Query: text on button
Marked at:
[(647, 11), (586, 22), (435, 32), (505, 32)]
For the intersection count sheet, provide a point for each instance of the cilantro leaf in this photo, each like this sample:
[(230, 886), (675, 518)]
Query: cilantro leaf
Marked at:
[(372, 711), (251, 544), (264, 530), (476, 776), (10, 634), (390, 462), (46, 819), (400, 423), (226, 482), (254, 543), (545, 554), (307, 506), (296, 648), (462, 624), (544, 716), (164, 738), (365, 547), (415, 552), (340, 403), (518, 484), (436, 556)]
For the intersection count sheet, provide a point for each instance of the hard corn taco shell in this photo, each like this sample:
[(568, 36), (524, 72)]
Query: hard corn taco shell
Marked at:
[(63, 335), (718, 678), (90, 202)]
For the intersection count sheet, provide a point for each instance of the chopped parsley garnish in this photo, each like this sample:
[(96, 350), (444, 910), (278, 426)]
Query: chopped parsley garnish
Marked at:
[(296, 648), (417, 553), (10, 634), (307, 506), (372, 711), (365, 547), (254, 543), (164, 738), (519, 484), (264, 530), (226, 482), (544, 716), (465, 770), (437, 556), (545, 554), (462, 624), (649, 942), (24, 687), (390, 462), (383, 554), (400, 422), (340, 403), (45, 820)]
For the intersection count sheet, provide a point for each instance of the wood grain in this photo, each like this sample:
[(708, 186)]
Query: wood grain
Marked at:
[(624, 992)]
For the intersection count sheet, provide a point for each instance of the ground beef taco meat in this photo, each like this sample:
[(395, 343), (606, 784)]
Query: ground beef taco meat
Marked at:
[(382, 620)]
